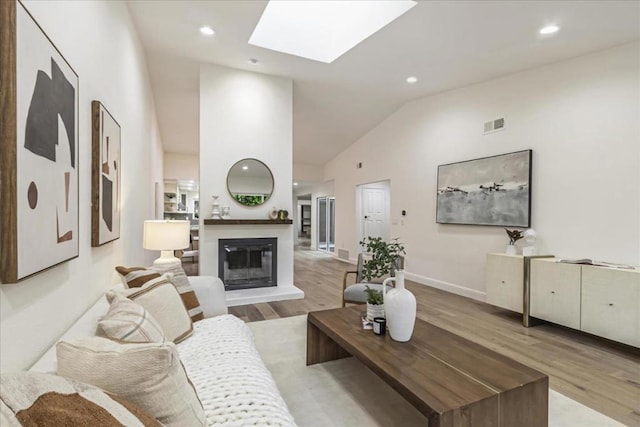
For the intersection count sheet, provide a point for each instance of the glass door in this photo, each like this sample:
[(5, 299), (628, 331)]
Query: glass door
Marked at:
[(326, 223)]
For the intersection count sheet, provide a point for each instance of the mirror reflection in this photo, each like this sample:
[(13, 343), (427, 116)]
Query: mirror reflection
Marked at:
[(250, 182)]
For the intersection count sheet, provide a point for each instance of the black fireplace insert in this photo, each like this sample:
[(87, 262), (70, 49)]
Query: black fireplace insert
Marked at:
[(248, 263)]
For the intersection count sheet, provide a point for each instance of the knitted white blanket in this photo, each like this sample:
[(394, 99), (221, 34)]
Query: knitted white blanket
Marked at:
[(235, 387)]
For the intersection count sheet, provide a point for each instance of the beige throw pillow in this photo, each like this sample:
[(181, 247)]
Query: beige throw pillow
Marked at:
[(160, 297), (128, 321), (148, 375)]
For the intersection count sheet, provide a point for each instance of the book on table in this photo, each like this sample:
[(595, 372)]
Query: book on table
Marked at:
[(366, 323)]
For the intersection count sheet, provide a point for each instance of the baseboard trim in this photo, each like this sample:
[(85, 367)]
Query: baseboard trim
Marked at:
[(346, 261), (448, 287)]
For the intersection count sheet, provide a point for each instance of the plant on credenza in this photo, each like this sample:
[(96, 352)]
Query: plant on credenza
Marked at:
[(514, 236)]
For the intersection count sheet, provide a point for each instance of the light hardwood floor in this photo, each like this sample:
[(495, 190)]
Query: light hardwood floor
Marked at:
[(600, 374)]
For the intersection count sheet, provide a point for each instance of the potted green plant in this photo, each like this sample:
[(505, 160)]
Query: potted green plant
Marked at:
[(514, 236), (385, 257), (375, 303)]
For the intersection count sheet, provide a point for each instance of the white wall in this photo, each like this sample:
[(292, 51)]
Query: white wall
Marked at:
[(99, 40), (245, 115), (181, 167), (579, 116), (306, 172)]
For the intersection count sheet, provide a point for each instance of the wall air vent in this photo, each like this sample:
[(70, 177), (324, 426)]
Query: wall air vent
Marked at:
[(494, 125), (343, 254)]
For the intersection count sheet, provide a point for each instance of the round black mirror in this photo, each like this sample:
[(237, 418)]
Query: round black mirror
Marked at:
[(250, 182)]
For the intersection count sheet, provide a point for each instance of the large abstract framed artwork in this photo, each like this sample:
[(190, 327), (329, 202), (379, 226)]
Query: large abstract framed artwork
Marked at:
[(105, 176), (38, 148), (488, 191)]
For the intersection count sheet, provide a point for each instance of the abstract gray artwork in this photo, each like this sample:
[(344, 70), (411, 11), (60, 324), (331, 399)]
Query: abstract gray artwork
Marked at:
[(38, 149), (488, 191), (105, 179)]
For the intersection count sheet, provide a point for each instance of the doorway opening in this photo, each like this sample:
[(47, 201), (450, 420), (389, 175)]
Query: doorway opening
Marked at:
[(374, 210), (303, 222), (326, 224)]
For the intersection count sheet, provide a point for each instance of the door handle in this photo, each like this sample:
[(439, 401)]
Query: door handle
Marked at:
[(366, 216)]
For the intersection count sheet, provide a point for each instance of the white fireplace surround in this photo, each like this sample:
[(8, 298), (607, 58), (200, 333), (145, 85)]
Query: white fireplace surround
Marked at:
[(209, 236)]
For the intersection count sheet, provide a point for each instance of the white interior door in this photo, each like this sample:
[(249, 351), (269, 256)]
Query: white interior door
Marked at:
[(375, 221)]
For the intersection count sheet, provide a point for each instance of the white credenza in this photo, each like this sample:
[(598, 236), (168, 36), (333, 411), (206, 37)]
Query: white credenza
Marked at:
[(507, 282), (611, 303), (555, 292), (598, 300), (504, 278)]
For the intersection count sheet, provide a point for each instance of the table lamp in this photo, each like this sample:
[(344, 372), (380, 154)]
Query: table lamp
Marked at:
[(166, 237)]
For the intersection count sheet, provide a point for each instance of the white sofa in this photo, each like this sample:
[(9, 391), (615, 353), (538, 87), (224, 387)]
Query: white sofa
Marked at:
[(220, 358)]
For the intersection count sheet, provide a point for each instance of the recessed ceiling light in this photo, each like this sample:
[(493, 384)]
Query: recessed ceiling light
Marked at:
[(295, 183), (324, 30), (245, 167), (549, 29), (411, 80), (207, 31)]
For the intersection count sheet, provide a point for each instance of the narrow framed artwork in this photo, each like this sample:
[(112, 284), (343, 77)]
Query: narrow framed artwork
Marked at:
[(487, 191), (38, 149), (105, 176)]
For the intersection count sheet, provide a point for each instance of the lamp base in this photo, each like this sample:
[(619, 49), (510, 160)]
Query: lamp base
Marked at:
[(166, 259)]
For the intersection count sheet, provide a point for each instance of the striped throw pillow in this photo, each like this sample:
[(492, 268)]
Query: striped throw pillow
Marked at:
[(128, 321), (161, 299), (182, 284), (135, 277)]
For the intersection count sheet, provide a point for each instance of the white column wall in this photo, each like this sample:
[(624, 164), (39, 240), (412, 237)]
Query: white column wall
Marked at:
[(245, 115)]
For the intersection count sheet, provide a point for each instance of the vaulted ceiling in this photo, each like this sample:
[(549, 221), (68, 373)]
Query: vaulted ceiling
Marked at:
[(445, 44)]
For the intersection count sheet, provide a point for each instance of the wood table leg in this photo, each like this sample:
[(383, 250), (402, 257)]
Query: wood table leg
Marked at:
[(321, 348), (526, 406)]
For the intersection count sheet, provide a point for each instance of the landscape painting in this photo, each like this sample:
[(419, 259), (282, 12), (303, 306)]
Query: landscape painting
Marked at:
[(488, 191), (39, 149), (105, 180)]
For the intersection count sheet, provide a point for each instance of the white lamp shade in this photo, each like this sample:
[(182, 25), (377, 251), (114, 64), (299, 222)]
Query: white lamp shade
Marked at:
[(166, 235)]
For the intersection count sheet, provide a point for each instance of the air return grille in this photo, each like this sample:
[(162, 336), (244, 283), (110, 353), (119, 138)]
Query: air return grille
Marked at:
[(494, 125)]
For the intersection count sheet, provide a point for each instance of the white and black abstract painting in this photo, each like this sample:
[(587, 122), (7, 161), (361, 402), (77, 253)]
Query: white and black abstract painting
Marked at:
[(44, 160), (106, 176), (488, 191)]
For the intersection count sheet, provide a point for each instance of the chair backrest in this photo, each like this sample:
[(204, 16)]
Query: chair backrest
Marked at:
[(359, 267)]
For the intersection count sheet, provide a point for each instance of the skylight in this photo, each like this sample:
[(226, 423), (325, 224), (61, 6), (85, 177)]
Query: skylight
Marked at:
[(323, 30)]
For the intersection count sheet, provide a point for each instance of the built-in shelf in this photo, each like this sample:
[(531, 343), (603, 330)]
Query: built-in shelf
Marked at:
[(246, 221)]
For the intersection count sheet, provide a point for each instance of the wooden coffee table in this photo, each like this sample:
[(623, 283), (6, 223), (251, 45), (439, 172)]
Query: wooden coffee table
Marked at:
[(451, 380)]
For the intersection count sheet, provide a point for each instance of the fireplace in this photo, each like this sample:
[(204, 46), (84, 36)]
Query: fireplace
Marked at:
[(248, 263)]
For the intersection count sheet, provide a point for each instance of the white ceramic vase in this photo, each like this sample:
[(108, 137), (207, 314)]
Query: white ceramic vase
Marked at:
[(511, 250), (400, 308), (215, 208)]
